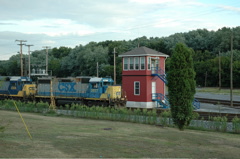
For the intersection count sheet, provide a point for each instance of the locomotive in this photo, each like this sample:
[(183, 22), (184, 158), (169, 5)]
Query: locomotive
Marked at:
[(16, 87), (82, 90)]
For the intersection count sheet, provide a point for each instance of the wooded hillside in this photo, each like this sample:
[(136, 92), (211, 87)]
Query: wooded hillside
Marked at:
[(82, 60)]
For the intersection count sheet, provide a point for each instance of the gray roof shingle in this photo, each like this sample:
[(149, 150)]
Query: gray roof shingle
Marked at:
[(143, 51)]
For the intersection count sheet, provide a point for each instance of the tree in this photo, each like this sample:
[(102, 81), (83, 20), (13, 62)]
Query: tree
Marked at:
[(61, 52), (181, 85)]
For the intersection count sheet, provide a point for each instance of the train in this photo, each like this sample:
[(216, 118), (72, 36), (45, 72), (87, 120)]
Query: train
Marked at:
[(90, 91)]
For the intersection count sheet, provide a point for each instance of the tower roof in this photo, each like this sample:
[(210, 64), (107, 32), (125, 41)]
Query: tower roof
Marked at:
[(143, 51)]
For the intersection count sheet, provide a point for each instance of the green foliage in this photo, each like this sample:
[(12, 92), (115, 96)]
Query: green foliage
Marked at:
[(181, 85), (195, 115), (236, 124), (142, 116), (50, 112), (60, 52), (219, 123), (81, 60), (165, 118), (2, 128)]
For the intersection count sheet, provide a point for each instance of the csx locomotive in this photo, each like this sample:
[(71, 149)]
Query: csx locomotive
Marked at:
[(84, 90)]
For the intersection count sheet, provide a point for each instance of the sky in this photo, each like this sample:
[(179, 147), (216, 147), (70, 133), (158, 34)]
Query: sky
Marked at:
[(69, 23)]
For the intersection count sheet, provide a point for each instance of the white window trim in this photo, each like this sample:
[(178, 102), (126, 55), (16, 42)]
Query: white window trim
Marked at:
[(130, 63), (127, 63), (149, 63), (143, 63), (135, 87), (135, 63)]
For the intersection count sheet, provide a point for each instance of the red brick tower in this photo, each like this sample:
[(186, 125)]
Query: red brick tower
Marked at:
[(143, 77)]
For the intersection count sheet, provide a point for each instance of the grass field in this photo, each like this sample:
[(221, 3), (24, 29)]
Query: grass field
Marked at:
[(61, 137)]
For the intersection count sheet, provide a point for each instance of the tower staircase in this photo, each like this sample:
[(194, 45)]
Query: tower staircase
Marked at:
[(162, 100), (158, 72)]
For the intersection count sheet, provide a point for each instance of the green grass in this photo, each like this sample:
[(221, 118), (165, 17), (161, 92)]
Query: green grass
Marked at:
[(61, 137), (216, 90)]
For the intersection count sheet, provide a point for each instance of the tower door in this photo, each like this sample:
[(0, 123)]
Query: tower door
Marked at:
[(154, 65), (153, 89)]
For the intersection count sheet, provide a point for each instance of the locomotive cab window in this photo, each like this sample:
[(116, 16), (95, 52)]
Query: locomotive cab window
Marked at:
[(13, 84), (94, 85)]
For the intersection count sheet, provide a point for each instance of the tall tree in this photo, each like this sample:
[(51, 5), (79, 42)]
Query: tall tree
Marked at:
[(181, 85)]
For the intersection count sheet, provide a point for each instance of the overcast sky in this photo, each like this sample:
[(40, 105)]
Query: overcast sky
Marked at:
[(69, 23)]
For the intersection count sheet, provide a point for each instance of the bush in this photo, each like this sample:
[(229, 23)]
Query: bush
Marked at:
[(236, 124), (165, 118), (195, 115), (219, 123), (50, 112)]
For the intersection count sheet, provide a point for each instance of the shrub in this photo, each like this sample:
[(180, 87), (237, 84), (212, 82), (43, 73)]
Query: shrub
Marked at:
[(220, 123), (181, 85), (164, 118), (236, 124)]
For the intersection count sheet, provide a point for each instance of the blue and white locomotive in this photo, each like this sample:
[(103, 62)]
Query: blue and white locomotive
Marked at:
[(16, 87), (86, 90)]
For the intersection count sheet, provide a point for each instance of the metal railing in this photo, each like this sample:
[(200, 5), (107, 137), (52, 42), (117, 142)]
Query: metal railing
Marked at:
[(156, 71)]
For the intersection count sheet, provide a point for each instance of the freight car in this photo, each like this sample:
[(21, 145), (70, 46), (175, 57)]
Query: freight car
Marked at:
[(85, 90)]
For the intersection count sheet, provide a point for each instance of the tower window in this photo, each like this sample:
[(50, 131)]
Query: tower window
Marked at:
[(125, 61), (136, 62), (131, 63), (149, 63), (142, 63), (136, 88)]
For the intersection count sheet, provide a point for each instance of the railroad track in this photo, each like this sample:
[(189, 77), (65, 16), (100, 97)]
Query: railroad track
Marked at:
[(209, 115), (236, 104)]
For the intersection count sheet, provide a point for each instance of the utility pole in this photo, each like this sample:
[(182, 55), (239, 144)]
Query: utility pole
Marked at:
[(219, 66), (231, 71), (29, 68), (97, 69), (46, 47), (206, 79), (114, 52), (21, 59)]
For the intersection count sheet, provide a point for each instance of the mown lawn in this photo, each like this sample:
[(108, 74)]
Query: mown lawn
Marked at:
[(62, 137)]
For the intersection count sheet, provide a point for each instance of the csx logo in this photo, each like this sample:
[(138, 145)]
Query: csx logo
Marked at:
[(67, 87)]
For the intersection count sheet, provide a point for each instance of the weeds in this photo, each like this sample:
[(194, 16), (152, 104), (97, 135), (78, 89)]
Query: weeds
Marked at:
[(3, 126), (236, 124), (143, 116)]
